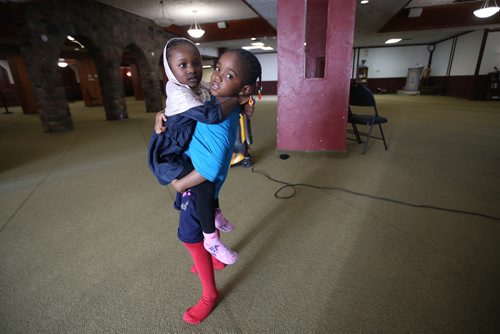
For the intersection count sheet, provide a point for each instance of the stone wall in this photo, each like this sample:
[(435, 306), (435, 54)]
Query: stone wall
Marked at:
[(106, 32)]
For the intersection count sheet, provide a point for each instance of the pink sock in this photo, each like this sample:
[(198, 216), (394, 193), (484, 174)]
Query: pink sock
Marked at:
[(221, 222), (216, 247)]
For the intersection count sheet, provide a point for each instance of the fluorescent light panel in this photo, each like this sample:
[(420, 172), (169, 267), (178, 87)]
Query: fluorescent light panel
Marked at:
[(393, 40)]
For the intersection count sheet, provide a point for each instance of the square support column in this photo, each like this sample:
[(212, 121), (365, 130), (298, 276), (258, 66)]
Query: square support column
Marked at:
[(312, 110)]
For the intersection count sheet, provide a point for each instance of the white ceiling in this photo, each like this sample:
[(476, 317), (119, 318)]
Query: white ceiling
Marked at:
[(181, 11), (369, 18)]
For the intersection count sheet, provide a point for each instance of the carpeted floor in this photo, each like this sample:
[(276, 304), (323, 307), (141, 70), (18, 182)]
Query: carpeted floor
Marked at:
[(88, 238)]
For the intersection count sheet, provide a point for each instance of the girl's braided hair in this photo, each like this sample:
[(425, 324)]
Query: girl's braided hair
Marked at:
[(254, 73)]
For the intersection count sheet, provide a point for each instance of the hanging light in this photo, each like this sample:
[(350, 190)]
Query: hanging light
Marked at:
[(488, 8), (195, 30), (163, 20), (62, 63)]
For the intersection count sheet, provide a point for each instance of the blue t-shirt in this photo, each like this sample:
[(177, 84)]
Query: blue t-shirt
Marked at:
[(211, 148)]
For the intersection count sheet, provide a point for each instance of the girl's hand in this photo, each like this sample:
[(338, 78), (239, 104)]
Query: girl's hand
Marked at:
[(178, 186), (243, 99), (160, 120)]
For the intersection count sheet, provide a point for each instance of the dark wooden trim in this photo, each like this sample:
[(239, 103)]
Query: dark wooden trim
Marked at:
[(269, 87), (452, 55), (439, 17), (481, 52)]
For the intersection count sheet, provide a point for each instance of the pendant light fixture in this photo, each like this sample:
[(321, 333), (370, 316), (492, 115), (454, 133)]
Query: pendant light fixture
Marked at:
[(488, 8), (162, 20), (62, 63), (195, 30)]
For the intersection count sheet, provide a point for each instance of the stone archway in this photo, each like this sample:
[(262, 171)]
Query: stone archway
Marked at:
[(108, 30), (148, 74), (79, 52)]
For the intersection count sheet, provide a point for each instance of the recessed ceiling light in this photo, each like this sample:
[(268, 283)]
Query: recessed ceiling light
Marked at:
[(364, 2), (393, 40)]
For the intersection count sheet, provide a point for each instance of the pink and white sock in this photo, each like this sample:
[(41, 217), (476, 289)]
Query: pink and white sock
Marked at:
[(221, 252), (221, 222)]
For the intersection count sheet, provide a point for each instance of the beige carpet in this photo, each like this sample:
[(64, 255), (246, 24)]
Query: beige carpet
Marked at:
[(88, 238)]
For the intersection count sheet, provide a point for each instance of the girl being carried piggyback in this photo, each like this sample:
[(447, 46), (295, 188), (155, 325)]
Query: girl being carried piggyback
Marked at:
[(189, 102)]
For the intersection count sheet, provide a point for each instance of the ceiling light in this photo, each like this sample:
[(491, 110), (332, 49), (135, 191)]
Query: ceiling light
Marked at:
[(393, 40), (62, 63), (364, 2), (71, 38), (257, 43), (222, 25), (488, 8), (255, 47), (162, 20), (250, 47), (195, 30)]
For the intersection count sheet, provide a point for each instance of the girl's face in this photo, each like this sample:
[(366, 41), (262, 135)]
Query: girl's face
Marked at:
[(228, 75), (185, 62)]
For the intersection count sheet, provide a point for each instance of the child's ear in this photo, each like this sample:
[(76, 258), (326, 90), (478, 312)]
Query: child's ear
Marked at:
[(246, 90)]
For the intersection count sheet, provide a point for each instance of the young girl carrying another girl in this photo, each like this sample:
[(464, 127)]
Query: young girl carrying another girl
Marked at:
[(210, 149), (189, 102)]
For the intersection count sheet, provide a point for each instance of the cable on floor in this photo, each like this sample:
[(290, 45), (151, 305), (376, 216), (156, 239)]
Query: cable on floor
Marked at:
[(293, 186)]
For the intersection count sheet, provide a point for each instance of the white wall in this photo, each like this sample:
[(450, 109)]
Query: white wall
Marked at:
[(6, 66), (491, 56), (393, 62), (441, 58), (269, 63), (466, 53)]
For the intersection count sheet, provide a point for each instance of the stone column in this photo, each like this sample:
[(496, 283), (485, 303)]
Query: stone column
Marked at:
[(108, 68), (41, 58)]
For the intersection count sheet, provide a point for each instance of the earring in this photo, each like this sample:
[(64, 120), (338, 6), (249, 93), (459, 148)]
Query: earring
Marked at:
[(259, 91)]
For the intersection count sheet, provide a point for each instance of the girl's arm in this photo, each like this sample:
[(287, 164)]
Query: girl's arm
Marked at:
[(192, 179), (213, 111)]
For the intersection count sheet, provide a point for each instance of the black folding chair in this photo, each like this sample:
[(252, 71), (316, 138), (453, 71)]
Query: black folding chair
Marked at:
[(361, 96)]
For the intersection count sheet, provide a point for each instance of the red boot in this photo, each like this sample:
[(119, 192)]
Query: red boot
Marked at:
[(203, 263)]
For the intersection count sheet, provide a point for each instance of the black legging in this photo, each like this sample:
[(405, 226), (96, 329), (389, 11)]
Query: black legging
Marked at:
[(205, 202)]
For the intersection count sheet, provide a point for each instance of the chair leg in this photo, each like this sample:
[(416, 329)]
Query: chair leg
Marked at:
[(368, 135), (356, 133), (382, 134)]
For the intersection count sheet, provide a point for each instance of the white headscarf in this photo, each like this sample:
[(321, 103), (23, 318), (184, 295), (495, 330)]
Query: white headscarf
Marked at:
[(181, 97)]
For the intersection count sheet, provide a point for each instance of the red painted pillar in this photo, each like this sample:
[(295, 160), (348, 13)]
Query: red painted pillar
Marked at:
[(312, 111)]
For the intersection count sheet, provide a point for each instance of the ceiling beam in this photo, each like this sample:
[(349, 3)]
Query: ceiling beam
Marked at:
[(236, 29), (438, 17)]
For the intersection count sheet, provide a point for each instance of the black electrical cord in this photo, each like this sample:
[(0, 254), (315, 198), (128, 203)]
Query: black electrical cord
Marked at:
[(381, 198)]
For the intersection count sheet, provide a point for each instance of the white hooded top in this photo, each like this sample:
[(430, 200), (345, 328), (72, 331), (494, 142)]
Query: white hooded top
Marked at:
[(180, 97)]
